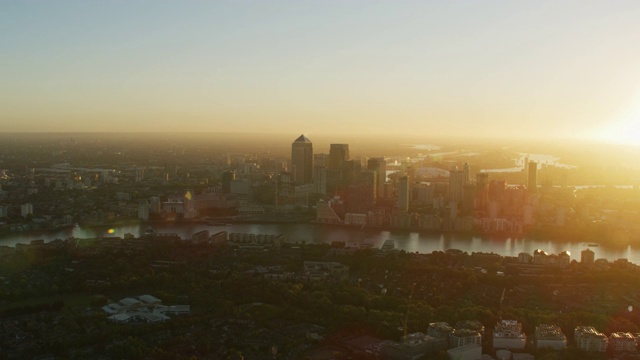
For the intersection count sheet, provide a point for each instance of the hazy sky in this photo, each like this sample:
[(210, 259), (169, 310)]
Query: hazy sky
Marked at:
[(518, 68)]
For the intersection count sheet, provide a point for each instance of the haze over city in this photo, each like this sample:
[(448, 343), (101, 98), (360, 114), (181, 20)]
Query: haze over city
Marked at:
[(320, 180), (540, 69)]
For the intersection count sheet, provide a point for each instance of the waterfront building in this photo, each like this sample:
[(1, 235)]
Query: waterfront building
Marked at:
[(143, 210), (302, 160), (550, 336), (589, 339), (587, 257), (327, 213), (525, 258)]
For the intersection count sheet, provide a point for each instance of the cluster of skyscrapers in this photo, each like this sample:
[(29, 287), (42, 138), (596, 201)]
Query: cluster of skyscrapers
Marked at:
[(359, 195), (337, 173)]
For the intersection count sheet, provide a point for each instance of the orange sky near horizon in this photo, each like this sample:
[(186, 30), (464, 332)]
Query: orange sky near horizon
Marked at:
[(542, 69)]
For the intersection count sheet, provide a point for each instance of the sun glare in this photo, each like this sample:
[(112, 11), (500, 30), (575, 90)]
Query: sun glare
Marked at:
[(625, 130)]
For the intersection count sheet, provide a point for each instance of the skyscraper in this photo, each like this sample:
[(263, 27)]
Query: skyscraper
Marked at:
[(403, 194), (379, 165), (338, 155), (482, 191), (302, 160), (456, 185), (532, 184)]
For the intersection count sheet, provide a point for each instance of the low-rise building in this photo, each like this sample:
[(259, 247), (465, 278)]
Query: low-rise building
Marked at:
[(464, 337), (550, 336), (467, 352), (589, 339), (508, 335), (622, 342), (474, 325), (439, 330)]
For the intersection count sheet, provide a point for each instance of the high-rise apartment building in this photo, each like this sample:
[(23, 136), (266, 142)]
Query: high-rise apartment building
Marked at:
[(302, 160)]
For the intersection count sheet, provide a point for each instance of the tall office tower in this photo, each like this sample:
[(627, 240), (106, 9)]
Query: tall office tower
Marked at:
[(227, 178), (482, 191), (469, 198), (351, 172), (532, 184), (466, 173), (456, 185), (302, 160), (379, 165), (338, 155), (320, 173), (368, 179), (403, 194), (319, 161), (333, 180)]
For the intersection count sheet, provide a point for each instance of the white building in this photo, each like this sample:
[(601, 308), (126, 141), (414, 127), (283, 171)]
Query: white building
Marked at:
[(508, 335), (622, 342), (464, 337), (467, 352), (589, 339), (550, 336)]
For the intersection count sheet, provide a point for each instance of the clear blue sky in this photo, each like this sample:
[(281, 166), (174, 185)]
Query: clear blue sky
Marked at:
[(507, 68)]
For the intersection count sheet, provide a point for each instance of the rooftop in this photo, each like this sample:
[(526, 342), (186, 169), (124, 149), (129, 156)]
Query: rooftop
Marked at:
[(302, 139)]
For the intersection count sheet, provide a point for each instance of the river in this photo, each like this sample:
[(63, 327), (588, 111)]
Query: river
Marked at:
[(312, 233)]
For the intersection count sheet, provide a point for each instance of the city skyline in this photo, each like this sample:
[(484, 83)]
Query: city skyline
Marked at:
[(539, 69)]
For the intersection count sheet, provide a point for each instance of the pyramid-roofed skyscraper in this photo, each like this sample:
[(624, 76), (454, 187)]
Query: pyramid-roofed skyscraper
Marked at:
[(302, 160)]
